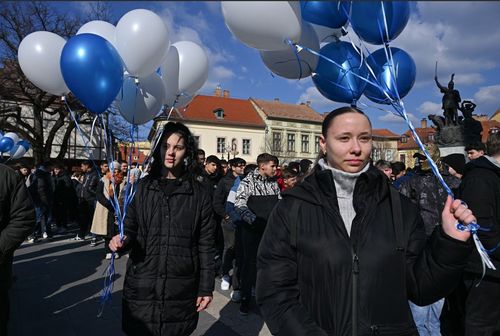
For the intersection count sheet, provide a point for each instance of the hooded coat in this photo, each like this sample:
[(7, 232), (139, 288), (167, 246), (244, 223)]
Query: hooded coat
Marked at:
[(171, 261), (313, 278), (480, 189)]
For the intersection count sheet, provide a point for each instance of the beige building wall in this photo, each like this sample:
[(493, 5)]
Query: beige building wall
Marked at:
[(308, 150), (208, 134)]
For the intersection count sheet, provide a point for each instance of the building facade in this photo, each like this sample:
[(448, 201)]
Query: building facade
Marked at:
[(222, 126), (385, 145), (292, 132)]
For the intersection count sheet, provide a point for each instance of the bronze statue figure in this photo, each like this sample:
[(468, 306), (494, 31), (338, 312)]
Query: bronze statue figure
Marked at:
[(451, 100), (472, 127)]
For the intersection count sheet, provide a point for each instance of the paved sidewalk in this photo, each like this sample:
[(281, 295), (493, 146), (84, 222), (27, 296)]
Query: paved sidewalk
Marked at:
[(57, 287)]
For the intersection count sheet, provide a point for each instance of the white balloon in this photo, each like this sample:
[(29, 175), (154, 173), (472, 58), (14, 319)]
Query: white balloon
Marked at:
[(17, 152), (39, 56), (284, 63), (177, 100), (142, 41), (12, 136), (102, 28), (186, 68), (141, 102), (327, 35), (264, 25)]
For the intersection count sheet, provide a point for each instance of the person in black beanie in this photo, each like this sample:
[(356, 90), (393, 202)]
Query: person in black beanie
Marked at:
[(456, 164)]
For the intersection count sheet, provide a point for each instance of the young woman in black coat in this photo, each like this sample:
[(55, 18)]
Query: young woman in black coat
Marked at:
[(343, 252), (170, 233)]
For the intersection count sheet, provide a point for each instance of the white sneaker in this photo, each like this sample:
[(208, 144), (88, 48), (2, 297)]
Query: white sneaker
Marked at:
[(108, 256), (117, 256), (224, 285), (45, 235)]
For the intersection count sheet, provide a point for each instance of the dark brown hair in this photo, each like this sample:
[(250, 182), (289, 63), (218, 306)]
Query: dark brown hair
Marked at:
[(493, 144), (337, 112)]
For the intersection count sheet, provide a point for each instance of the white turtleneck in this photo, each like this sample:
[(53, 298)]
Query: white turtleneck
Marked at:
[(344, 186)]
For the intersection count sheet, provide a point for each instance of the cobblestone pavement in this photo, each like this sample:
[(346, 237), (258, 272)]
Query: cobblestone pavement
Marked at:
[(57, 285)]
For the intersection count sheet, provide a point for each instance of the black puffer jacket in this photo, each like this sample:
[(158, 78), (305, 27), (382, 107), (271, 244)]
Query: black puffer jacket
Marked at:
[(171, 258), (308, 289), (89, 187), (480, 189), (17, 219), (64, 191)]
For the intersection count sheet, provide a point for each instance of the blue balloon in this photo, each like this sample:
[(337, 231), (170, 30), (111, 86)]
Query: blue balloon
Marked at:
[(6, 144), (24, 143), (92, 70), (331, 14), (367, 20), (404, 70), (340, 84)]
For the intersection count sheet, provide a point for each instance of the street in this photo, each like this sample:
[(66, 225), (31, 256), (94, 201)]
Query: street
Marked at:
[(56, 291)]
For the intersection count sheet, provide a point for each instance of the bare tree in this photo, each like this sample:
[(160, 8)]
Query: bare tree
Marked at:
[(17, 20)]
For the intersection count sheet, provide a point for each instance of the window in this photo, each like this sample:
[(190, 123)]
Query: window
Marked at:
[(246, 146), (221, 145), (305, 143), (430, 137), (290, 142), (402, 158), (404, 139), (316, 144), (276, 141), (388, 155), (219, 113), (376, 154)]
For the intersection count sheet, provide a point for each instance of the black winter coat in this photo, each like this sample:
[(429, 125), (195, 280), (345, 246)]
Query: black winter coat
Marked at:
[(171, 260), (221, 193), (64, 191), (480, 189), (17, 219), (42, 189), (89, 187), (308, 289)]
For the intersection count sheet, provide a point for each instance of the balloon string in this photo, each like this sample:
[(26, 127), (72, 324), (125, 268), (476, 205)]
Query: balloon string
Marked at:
[(296, 53)]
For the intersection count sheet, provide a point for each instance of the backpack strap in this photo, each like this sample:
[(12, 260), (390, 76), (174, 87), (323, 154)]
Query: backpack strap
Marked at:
[(397, 218)]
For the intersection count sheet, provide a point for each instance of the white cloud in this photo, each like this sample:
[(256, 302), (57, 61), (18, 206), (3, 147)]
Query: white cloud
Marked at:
[(221, 72), (488, 99), (318, 102), (244, 69), (395, 119), (428, 107)]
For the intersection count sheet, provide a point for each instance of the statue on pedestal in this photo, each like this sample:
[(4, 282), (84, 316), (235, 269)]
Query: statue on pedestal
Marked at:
[(449, 130)]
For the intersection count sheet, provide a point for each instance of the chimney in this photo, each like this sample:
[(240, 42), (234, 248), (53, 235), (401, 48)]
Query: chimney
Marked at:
[(226, 93), (276, 99), (218, 91), (423, 123), (308, 103)]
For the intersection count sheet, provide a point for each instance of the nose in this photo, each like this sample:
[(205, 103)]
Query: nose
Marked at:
[(356, 148)]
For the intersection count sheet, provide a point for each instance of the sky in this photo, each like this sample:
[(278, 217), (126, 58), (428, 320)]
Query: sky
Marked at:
[(462, 36)]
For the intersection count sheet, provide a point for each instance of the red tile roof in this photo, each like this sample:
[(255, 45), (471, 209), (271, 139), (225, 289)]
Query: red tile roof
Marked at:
[(236, 111), (423, 133), (487, 126), (384, 133), (279, 110)]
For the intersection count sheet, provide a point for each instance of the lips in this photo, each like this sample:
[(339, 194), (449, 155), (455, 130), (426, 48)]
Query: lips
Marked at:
[(354, 162)]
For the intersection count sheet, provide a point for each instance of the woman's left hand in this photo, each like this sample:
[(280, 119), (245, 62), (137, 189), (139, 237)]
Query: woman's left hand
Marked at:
[(455, 211), (202, 302)]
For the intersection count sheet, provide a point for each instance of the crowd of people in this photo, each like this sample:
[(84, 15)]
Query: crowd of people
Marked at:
[(340, 246)]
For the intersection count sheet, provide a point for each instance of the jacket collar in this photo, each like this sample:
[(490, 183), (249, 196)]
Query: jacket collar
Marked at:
[(185, 185)]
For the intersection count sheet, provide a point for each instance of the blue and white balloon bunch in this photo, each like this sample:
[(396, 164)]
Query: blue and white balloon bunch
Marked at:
[(10, 143)]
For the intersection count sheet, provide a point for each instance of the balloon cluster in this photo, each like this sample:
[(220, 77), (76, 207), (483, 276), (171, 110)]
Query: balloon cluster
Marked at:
[(288, 35), (103, 64), (10, 142)]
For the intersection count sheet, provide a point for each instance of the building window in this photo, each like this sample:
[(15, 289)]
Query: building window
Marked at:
[(404, 139), (290, 142), (246, 146), (276, 141), (316, 144), (402, 158), (305, 143), (376, 154), (221, 145), (431, 137), (388, 155), (219, 113)]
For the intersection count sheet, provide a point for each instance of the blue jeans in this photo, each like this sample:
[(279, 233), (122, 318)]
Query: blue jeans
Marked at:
[(427, 318), (43, 220)]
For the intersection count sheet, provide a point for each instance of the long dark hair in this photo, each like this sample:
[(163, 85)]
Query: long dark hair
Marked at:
[(191, 149)]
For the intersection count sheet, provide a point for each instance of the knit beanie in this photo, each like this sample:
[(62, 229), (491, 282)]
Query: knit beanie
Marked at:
[(455, 161)]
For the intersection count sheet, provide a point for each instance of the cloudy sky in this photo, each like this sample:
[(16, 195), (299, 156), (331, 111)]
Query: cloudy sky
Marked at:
[(462, 36)]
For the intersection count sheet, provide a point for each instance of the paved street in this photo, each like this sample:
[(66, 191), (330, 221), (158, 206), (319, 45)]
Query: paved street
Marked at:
[(57, 287)]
